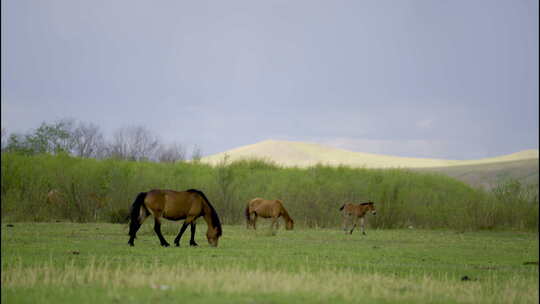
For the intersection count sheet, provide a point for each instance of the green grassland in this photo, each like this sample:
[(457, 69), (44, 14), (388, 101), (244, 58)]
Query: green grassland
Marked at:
[(91, 263), (430, 232)]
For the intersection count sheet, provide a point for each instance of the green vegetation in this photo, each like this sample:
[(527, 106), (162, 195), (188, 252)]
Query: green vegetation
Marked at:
[(91, 263), (103, 190)]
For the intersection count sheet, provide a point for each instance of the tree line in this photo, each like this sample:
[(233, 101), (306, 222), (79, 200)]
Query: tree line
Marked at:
[(83, 139)]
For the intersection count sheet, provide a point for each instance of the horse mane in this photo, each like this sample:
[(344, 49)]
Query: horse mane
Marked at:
[(368, 203), (285, 213), (213, 214)]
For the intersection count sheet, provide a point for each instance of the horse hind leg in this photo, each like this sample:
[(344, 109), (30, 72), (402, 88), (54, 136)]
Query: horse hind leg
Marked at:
[(135, 224), (133, 228), (254, 221), (249, 221), (345, 224), (157, 229)]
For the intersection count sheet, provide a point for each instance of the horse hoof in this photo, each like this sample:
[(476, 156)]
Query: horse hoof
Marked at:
[(177, 244), (193, 244), (165, 245)]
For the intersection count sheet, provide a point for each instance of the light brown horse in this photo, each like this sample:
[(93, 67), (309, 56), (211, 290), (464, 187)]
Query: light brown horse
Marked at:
[(356, 212), (267, 209), (175, 205)]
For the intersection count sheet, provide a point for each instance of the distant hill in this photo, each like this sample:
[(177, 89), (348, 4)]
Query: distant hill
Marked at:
[(301, 154), (486, 172), (490, 174)]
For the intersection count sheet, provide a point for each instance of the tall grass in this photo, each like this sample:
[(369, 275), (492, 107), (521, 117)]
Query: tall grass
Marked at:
[(321, 286), (312, 196)]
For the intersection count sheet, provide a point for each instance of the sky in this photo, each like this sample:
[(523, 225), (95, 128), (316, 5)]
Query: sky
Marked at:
[(422, 78)]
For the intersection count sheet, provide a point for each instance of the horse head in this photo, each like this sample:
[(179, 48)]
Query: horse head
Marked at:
[(371, 208), (289, 225), (213, 234)]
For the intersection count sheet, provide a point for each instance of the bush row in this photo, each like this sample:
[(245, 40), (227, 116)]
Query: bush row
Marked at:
[(103, 190)]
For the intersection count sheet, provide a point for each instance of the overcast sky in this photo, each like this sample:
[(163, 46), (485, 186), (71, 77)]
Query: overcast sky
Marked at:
[(439, 79)]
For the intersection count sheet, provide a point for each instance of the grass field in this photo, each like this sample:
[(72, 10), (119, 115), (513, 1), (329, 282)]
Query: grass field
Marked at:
[(91, 263)]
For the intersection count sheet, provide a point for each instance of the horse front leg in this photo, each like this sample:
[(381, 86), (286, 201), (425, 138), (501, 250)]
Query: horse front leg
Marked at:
[(157, 229), (362, 225), (192, 240), (180, 233), (354, 225), (275, 222)]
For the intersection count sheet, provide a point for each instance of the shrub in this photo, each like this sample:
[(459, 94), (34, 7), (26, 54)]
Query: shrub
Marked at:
[(311, 195)]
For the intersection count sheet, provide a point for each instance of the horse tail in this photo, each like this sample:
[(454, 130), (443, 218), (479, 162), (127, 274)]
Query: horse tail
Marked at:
[(342, 207), (215, 219), (135, 213)]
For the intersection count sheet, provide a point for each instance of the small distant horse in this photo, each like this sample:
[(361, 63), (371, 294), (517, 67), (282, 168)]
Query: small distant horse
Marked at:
[(55, 197), (174, 206), (267, 209), (355, 212), (96, 201)]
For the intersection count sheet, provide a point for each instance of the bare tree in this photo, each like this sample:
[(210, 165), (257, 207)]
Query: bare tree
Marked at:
[(171, 153), (133, 143), (88, 140), (196, 155)]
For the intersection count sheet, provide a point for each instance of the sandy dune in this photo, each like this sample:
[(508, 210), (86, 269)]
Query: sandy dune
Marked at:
[(301, 154)]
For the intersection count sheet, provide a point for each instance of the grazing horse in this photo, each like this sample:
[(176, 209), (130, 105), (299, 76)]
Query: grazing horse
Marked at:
[(174, 206), (355, 212), (267, 209)]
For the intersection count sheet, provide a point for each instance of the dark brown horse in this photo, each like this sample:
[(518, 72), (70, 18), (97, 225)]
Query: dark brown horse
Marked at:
[(356, 212), (267, 209), (174, 205)]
